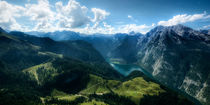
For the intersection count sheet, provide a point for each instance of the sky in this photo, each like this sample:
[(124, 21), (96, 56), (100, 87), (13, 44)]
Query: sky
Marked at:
[(102, 16)]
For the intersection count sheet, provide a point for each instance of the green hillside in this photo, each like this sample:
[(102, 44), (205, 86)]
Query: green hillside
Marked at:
[(41, 71), (129, 92), (135, 88)]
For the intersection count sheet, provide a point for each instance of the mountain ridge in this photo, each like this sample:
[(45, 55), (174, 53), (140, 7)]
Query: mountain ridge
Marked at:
[(37, 70), (167, 53)]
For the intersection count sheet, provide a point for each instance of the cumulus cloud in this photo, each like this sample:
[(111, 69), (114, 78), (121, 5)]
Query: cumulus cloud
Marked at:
[(66, 17), (41, 13), (109, 29), (180, 19), (75, 17), (130, 17), (8, 13), (206, 27), (72, 15), (99, 14)]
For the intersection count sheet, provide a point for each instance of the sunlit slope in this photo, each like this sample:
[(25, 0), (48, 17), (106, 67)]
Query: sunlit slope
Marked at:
[(135, 88), (98, 90)]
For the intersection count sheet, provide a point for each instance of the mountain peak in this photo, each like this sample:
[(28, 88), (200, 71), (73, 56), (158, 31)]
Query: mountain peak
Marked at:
[(179, 29), (179, 25)]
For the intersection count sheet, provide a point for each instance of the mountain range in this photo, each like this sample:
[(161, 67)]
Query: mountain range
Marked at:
[(178, 56), (71, 68)]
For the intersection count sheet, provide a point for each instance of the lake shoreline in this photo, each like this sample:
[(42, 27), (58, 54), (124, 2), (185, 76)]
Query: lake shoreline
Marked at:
[(126, 69)]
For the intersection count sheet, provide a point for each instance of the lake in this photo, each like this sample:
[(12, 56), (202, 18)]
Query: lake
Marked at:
[(126, 69)]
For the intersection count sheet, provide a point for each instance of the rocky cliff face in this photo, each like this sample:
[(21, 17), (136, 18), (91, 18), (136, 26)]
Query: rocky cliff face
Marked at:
[(178, 56)]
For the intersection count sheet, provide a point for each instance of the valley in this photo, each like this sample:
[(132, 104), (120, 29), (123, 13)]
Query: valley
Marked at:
[(167, 53), (39, 70), (164, 52), (126, 69), (104, 52)]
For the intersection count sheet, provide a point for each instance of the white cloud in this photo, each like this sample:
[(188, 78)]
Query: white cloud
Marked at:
[(104, 28), (108, 29), (66, 17), (130, 17), (42, 14), (40, 11), (206, 27), (72, 15), (8, 13), (180, 19), (99, 14)]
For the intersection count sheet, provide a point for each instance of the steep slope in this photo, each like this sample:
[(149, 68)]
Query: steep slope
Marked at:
[(105, 43), (45, 65), (179, 57), (46, 72), (2, 30), (127, 50), (78, 49), (74, 49), (19, 51), (16, 54)]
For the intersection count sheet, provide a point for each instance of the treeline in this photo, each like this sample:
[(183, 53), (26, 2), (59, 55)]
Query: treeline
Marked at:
[(165, 98), (56, 101), (112, 99)]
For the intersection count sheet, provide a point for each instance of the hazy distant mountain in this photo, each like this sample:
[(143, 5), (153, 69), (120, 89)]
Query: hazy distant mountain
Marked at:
[(74, 49), (58, 35), (102, 42)]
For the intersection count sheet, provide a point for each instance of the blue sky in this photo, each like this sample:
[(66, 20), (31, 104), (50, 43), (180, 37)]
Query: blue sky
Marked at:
[(102, 16)]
